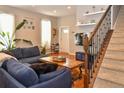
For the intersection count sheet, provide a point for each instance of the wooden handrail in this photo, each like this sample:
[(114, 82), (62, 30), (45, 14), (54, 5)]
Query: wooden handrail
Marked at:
[(89, 46), (98, 25)]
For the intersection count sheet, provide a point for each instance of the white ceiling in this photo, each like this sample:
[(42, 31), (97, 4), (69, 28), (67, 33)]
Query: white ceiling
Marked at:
[(61, 10)]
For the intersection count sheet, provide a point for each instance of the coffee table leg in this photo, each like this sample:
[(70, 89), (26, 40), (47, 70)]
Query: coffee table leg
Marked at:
[(80, 74)]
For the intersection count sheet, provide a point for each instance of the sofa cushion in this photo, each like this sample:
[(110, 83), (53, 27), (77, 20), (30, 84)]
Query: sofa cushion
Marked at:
[(43, 68), (48, 76), (22, 73), (30, 60), (30, 52), (17, 53)]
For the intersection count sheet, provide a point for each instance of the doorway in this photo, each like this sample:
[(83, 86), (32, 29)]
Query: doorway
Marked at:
[(64, 39)]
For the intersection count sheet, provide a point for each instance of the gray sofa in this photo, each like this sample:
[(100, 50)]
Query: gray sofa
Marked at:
[(27, 55)]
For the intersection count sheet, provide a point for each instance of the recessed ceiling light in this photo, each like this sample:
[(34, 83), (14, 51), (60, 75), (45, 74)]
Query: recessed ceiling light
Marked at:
[(69, 7), (33, 5), (54, 11)]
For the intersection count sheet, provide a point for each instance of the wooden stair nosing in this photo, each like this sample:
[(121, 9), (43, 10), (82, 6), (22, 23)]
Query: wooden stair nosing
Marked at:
[(117, 70), (111, 75), (112, 43), (110, 85), (112, 58)]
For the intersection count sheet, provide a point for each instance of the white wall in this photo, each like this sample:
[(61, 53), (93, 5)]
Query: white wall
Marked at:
[(34, 36), (81, 10), (69, 21), (115, 12)]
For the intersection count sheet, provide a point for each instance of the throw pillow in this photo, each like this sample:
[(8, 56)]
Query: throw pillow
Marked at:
[(4, 56)]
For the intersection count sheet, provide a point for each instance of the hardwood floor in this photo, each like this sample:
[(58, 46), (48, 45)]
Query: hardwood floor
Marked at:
[(79, 83)]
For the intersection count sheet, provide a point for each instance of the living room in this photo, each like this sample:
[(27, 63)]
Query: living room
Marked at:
[(52, 34)]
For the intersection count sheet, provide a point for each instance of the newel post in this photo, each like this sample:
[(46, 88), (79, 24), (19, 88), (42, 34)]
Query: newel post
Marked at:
[(86, 76)]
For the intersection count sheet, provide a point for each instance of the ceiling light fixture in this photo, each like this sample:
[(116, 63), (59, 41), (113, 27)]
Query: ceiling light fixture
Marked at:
[(33, 5), (54, 11), (69, 7)]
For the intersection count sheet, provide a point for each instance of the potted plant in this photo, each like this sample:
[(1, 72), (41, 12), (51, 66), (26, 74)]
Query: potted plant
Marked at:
[(7, 41), (43, 49)]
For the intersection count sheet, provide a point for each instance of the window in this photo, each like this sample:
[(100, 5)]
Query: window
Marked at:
[(46, 33), (6, 24)]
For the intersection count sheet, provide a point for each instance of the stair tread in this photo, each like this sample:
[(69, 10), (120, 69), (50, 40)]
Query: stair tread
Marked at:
[(118, 35), (115, 54), (117, 40), (102, 83), (111, 75), (113, 64), (116, 47)]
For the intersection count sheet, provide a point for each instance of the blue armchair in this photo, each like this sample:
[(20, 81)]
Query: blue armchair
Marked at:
[(14, 74)]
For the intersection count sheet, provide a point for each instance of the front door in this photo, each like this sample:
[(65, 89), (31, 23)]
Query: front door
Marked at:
[(64, 39)]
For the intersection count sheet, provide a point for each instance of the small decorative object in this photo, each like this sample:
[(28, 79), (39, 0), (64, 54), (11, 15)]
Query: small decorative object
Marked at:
[(43, 49), (92, 21), (29, 24), (59, 58), (79, 39), (102, 9), (26, 22), (29, 27), (87, 12), (93, 8), (82, 22), (33, 28), (80, 56), (54, 32), (55, 48)]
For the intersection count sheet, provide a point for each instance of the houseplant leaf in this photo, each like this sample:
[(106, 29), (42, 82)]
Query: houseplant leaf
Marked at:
[(27, 41), (20, 24), (1, 43)]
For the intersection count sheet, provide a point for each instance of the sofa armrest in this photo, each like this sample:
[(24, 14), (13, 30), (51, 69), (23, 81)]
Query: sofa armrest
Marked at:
[(63, 80), (8, 81), (48, 76)]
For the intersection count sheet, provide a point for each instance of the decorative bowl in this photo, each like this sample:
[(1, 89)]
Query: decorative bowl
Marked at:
[(59, 58)]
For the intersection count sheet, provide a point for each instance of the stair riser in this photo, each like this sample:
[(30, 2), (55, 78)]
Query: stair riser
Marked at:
[(116, 47), (114, 55), (118, 35), (119, 29), (113, 76), (112, 60), (120, 24), (102, 83), (114, 65), (117, 40)]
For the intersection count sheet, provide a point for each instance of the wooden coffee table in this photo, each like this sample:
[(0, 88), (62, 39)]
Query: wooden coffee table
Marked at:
[(70, 63)]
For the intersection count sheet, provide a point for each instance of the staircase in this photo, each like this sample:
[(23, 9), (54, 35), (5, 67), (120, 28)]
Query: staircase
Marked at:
[(111, 73)]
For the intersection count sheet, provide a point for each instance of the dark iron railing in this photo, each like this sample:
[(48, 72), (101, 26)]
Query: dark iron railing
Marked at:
[(93, 45)]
